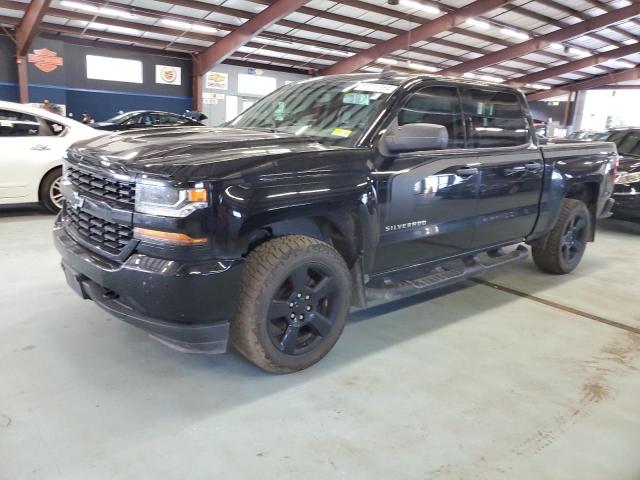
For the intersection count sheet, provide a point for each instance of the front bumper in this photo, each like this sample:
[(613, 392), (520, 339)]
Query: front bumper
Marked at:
[(184, 305), (627, 205)]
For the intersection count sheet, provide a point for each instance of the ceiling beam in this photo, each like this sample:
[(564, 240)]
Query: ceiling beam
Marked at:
[(576, 65), (225, 47), (418, 34), (596, 82), (196, 4), (483, 37), (28, 27), (543, 41), (583, 16), (323, 31)]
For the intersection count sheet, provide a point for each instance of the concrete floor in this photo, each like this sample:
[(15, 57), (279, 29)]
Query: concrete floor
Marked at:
[(475, 383)]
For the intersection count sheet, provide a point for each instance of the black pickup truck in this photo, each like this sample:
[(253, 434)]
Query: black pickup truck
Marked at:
[(331, 193)]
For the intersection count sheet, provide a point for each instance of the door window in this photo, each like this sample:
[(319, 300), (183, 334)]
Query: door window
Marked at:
[(496, 119), (166, 119), (17, 124), (438, 105)]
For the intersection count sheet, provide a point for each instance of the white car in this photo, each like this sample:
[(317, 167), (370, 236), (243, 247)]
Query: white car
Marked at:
[(32, 144)]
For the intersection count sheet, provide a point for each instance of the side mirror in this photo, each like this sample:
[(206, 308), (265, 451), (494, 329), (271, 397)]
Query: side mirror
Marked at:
[(415, 137)]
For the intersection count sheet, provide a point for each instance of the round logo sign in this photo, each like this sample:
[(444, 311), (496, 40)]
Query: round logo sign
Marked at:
[(168, 74)]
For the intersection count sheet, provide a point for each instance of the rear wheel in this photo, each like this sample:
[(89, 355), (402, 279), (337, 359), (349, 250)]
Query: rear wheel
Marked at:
[(567, 241), (50, 193), (294, 303)]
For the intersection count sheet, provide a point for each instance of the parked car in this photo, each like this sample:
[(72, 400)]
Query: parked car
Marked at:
[(627, 186), (334, 192), (33, 143), (145, 119)]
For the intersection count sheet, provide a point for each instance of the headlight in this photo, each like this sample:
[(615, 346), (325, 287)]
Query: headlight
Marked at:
[(626, 178), (159, 199)]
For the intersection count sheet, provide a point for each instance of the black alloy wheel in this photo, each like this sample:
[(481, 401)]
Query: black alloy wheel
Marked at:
[(303, 311), (294, 302), (567, 241), (575, 238)]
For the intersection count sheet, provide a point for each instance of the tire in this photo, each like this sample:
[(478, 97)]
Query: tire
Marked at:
[(49, 194), (567, 240), (292, 275)]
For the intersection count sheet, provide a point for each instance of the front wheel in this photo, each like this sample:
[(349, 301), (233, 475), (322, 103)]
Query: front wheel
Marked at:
[(293, 305), (567, 240), (50, 192)]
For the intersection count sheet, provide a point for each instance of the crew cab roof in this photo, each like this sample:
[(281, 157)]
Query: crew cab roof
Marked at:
[(402, 79)]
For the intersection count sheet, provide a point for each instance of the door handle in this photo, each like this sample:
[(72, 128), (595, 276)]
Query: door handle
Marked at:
[(465, 172), (40, 147), (533, 166)]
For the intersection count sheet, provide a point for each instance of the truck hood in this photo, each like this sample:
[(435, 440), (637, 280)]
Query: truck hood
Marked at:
[(193, 153)]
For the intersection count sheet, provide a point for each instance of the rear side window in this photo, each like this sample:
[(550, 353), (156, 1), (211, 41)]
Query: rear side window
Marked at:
[(17, 124), (437, 105), (630, 144), (165, 119), (496, 119)]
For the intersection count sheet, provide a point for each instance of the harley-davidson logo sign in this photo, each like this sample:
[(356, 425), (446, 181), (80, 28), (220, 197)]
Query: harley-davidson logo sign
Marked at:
[(45, 60)]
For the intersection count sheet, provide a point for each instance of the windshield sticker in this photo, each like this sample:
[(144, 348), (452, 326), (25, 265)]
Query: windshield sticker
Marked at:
[(278, 115), (356, 98), (376, 87), (341, 132)]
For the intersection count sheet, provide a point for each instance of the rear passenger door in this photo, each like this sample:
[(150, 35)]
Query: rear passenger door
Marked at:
[(511, 166)]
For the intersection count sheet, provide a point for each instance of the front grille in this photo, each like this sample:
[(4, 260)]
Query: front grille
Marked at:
[(108, 236), (102, 187)]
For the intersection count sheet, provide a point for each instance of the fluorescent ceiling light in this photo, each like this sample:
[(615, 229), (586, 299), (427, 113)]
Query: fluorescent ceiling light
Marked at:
[(421, 67), (372, 69), (188, 26), (556, 46), (203, 28), (514, 33), (474, 22), (387, 61), (94, 9), (491, 78), (578, 51), (114, 28), (176, 23), (469, 75), (538, 86), (420, 6)]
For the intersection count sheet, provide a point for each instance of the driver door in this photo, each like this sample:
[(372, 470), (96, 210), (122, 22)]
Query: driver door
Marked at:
[(427, 198)]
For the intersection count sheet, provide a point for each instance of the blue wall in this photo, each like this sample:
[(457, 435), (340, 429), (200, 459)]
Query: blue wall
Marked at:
[(9, 92), (68, 84)]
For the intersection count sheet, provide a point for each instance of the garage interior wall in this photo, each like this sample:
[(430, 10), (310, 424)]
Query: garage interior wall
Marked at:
[(8, 70), (68, 84), (219, 104)]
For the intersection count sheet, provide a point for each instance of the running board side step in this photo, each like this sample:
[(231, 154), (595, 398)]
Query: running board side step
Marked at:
[(394, 287)]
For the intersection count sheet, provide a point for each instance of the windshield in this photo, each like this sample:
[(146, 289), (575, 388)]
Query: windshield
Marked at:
[(119, 118), (629, 144), (334, 112)]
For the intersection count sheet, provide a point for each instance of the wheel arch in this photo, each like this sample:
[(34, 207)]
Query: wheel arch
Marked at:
[(43, 176)]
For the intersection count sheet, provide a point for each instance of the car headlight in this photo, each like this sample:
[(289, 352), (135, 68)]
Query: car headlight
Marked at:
[(157, 198), (627, 178)]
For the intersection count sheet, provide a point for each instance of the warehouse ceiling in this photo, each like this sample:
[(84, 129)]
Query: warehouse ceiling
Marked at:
[(521, 42)]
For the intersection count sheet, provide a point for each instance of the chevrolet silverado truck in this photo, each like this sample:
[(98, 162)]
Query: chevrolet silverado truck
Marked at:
[(331, 193)]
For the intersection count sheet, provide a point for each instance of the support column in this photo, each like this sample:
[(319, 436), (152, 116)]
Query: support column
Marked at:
[(23, 79), (196, 79)]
